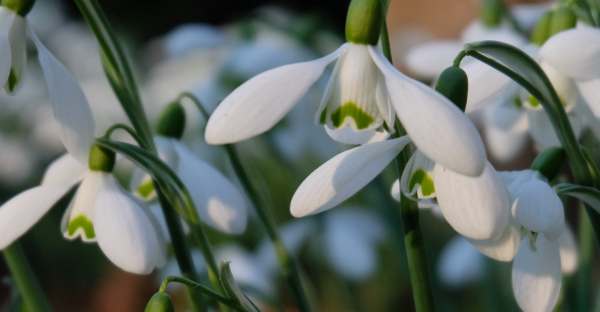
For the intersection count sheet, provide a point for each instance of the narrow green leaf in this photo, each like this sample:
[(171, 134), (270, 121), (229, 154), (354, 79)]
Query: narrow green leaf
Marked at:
[(588, 195), (234, 291)]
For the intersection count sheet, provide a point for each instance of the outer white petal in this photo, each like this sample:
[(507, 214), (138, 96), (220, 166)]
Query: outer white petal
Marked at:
[(502, 249), (71, 109), (430, 59), (343, 175), (476, 207), (539, 209), (574, 52), (7, 18), (460, 263), (590, 91), (219, 202), (436, 126), (485, 84), (65, 170), (536, 278), (124, 232), (259, 103), (21, 212), (568, 252)]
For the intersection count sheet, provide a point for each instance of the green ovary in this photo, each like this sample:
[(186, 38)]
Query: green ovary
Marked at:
[(84, 223), (351, 110), (422, 178)]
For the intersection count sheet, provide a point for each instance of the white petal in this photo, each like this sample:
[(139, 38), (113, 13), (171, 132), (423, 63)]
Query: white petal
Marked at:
[(124, 232), (65, 170), (347, 134), (71, 109), (77, 221), (460, 263), (505, 134), (515, 180), (568, 252), (7, 18), (539, 209), (536, 278), (219, 203), (18, 45), (501, 249), (21, 212), (476, 207), (436, 126), (575, 52), (259, 103), (590, 91), (421, 165), (428, 60), (343, 175), (485, 85)]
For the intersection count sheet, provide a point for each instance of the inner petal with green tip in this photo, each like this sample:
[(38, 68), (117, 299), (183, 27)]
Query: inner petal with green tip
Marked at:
[(350, 110), (422, 179), (81, 226)]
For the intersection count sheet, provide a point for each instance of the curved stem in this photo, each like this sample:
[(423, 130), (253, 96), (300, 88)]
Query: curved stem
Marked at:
[(125, 128), (34, 298), (409, 214), (195, 285)]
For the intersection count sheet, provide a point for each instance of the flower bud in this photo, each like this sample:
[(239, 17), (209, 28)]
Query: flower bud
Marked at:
[(160, 302), (549, 162), (453, 84), (492, 12), (171, 122), (101, 159), (363, 22), (21, 7), (541, 31)]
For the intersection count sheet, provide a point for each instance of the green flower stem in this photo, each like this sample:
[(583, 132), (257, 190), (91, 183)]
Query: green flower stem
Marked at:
[(122, 81), (286, 261), (202, 288), (586, 256), (33, 297), (409, 213)]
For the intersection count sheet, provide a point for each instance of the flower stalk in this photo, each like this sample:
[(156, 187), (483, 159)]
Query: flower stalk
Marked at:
[(409, 213), (33, 297)]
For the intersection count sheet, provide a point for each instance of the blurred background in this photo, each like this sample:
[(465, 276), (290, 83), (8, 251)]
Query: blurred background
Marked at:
[(351, 256)]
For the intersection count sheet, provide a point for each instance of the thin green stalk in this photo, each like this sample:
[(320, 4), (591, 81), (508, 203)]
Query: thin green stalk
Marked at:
[(409, 214), (586, 256), (202, 288), (286, 261), (33, 297), (121, 78)]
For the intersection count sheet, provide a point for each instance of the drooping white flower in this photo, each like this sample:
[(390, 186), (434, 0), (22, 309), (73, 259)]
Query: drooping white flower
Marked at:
[(97, 194), (357, 108), (218, 201)]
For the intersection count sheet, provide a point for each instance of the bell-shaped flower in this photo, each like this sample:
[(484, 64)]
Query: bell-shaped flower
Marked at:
[(358, 107), (218, 201)]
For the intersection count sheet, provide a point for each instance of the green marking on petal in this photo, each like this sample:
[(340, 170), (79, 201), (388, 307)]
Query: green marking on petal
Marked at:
[(84, 223), (517, 102), (422, 178), (146, 189), (351, 110), (13, 80), (323, 116)]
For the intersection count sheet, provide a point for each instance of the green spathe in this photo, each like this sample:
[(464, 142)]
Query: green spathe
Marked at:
[(363, 22), (454, 85), (350, 110), (84, 223), (171, 122), (101, 159), (21, 7), (160, 302)]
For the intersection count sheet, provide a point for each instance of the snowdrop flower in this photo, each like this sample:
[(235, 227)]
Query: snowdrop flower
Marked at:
[(359, 104), (100, 210), (219, 202)]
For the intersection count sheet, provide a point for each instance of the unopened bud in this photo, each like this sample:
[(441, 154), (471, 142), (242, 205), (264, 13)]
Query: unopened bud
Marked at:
[(160, 302), (171, 122), (101, 159), (454, 84)]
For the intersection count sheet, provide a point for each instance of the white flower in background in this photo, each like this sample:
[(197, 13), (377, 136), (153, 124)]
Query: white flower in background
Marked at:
[(190, 37), (100, 210), (218, 201), (460, 263)]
